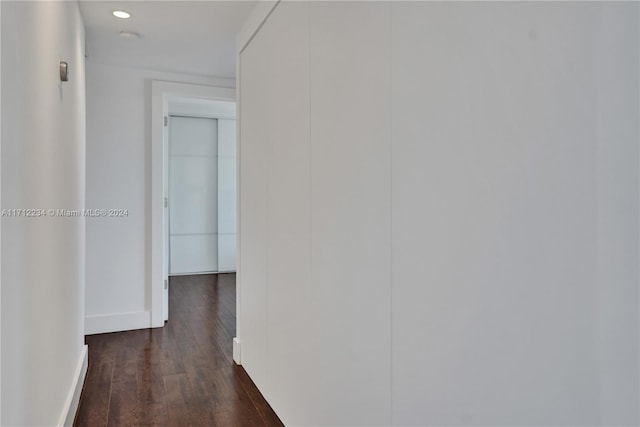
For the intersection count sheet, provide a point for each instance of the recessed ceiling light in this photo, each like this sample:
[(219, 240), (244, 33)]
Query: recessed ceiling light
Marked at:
[(130, 35), (121, 14)]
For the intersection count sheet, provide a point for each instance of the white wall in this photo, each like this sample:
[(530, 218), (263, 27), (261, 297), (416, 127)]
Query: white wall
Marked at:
[(43, 167), (118, 176), (439, 213)]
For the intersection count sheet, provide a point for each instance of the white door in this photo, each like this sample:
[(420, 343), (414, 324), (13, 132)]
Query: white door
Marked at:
[(227, 189), (193, 195)]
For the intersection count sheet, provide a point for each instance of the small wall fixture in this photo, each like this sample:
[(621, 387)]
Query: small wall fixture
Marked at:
[(64, 71)]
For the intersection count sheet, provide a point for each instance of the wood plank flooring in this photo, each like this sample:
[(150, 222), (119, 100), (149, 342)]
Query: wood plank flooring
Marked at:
[(179, 375)]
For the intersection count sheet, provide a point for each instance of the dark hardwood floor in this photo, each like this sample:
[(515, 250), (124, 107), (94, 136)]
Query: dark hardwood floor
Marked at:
[(179, 375)]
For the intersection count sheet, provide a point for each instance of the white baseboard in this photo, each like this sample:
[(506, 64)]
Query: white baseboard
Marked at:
[(73, 397), (117, 322), (236, 351)]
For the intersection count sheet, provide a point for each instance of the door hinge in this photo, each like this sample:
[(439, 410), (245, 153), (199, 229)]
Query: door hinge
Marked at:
[(166, 202), (166, 284), (166, 121)]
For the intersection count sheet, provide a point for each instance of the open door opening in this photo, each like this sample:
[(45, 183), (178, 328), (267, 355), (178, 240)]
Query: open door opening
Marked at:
[(200, 185), (194, 188)]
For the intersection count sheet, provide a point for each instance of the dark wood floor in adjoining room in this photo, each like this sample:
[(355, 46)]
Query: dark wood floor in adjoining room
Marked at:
[(179, 375)]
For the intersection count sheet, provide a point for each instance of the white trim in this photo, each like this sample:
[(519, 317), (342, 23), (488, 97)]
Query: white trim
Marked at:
[(73, 398), (237, 351), (117, 322), (160, 90)]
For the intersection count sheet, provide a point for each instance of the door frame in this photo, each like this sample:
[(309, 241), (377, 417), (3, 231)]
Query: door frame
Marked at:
[(157, 268)]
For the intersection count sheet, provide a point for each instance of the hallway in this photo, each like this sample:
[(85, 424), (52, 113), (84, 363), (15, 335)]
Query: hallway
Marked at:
[(179, 375)]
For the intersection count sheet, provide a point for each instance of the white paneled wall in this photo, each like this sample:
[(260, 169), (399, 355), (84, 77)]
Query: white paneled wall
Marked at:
[(618, 175), (288, 214), (430, 197), (350, 213), (494, 214), (276, 211), (253, 194)]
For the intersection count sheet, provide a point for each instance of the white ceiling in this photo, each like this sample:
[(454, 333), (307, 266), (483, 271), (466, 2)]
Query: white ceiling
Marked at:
[(193, 37)]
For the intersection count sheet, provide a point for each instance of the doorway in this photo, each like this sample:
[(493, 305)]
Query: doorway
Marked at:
[(200, 188), (204, 104)]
